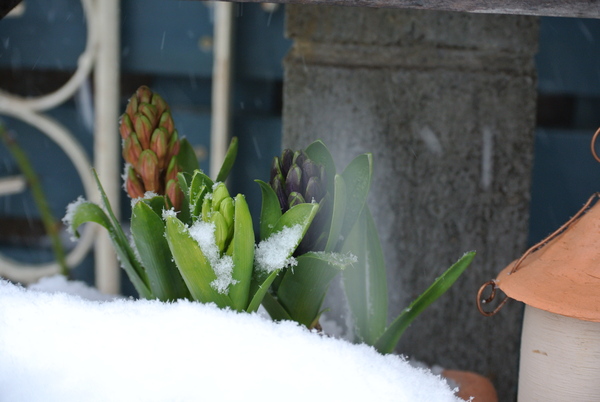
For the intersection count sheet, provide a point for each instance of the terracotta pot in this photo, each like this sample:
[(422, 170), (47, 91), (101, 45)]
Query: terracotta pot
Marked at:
[(472, 385)]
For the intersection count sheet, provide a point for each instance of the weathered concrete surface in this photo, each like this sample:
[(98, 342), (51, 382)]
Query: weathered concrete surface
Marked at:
[(446, 104)]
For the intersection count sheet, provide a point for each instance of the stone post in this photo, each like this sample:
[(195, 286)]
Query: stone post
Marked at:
[(446, 103)]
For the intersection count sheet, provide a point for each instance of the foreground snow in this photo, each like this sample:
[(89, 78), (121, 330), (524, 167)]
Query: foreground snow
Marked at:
[(60, 347)]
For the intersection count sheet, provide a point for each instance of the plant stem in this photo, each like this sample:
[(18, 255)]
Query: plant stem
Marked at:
[(50, 223)]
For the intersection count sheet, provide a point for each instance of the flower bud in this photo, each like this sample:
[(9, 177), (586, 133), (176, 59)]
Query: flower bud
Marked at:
[(159, 102), (132, 149), (293, 181), (174, 193), (144, 94), (219, 194), (147, 168), (227, 210), (172, 170), (150, 112), (125, 126), (166, 121), (221, 230), (314, 190), (133, 185), (158, 144), (286, 161), (295, 199), (278, 188), (173, 147), (206, 209), (143, 129)]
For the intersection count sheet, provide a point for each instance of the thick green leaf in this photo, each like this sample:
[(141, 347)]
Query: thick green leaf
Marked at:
[(90, 212), (200, 185), (183, 180), (148, 231), (338, 213), (270, 210), (318, 152), (365, 281), (122, 247), (186, 158), (259, 290), (388, 341), (303, 288), (242, 254), (274, 308), (194, 267), (301, 214), (229, 160), (357, 177)]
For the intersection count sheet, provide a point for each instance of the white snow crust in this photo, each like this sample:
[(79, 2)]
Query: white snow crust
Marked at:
[(60, 347)]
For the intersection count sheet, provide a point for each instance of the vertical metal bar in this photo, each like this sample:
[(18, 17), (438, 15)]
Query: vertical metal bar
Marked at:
[(106, 137), (221, 85)]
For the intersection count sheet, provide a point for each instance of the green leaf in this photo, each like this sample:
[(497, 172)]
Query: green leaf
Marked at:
[(200, 185), (148, 231), (303, 288), (183, 180), (270, 210), (242, 254), (337, 216), (274, 308), (357, 177), (124, 251), (259, 290), (186, 158), (90, 212), (194, 267), (229, 160), (318, 152), (388, 341), (365, 281), (301, 214)]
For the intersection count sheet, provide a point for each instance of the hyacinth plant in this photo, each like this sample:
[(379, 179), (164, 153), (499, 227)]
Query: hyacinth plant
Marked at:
[(189, 238), (343, 226)]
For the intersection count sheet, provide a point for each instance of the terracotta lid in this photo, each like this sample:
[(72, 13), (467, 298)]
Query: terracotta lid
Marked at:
[(562, 277)]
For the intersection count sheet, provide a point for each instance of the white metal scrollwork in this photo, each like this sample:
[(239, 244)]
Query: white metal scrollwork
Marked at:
[(28, 110)]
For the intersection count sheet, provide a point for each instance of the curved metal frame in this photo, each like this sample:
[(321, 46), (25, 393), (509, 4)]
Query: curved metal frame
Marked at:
[(27, 110)]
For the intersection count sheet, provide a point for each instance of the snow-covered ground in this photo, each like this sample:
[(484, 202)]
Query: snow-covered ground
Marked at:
[(56, 346)]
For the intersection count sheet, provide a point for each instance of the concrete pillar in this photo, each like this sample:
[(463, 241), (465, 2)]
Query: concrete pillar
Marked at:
[(446, 103)]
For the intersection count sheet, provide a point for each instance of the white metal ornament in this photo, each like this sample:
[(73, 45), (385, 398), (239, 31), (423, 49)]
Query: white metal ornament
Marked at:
[(29, 110)]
